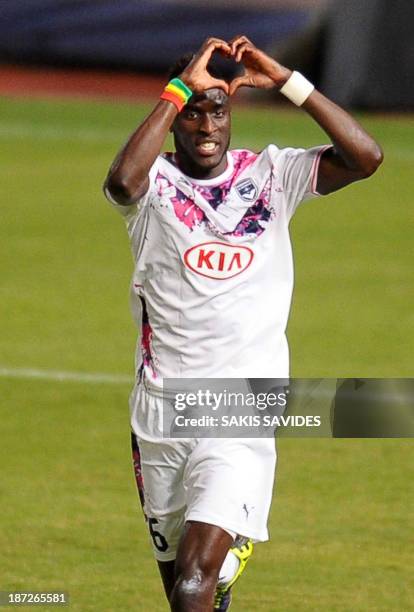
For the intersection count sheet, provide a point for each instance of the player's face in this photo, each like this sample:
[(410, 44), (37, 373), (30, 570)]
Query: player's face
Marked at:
[(202, 134)]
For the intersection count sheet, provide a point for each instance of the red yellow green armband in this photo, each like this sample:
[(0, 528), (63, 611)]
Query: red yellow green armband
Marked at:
[(177, 92)]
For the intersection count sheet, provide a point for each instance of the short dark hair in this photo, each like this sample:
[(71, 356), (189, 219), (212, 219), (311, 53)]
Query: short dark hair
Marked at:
[(218, 67), (180, 65)]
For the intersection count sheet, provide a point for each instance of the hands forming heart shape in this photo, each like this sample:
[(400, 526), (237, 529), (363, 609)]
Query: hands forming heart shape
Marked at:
[(260, 70)]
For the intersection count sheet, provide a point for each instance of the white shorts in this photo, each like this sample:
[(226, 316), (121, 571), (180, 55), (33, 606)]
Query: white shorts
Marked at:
[(224, 482)]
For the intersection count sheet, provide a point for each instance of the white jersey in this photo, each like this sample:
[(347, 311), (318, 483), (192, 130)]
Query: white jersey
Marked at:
[(213, 278)]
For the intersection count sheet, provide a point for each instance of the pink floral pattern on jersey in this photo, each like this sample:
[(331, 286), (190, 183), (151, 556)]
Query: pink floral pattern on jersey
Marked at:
[(242, 159), (146, 340), (185, 209), (192, 216), (136, 459), (253, 222)]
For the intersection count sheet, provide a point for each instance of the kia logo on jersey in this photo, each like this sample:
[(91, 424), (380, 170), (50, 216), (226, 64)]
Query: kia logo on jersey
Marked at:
[(218, 260)]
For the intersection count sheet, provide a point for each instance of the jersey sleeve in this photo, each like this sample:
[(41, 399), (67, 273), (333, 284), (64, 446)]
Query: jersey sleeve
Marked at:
[(297, 172), (130, 211)]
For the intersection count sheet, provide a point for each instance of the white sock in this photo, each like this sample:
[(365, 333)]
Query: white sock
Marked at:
[(229, 568)]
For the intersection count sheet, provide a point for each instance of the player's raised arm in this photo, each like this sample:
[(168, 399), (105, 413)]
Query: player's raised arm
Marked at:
[(355, 154), (127, 179)]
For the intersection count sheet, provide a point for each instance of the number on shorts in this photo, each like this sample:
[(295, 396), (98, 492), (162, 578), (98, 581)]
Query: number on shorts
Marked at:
[(160, 542)]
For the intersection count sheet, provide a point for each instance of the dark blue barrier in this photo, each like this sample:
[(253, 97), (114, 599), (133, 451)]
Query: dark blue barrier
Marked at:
[(132, 34)]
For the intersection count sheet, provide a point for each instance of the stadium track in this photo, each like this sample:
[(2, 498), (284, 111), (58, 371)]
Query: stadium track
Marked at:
[(41, 82), (84, 84)]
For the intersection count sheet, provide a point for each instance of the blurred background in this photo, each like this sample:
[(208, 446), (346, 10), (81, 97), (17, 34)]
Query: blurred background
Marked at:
[(360, 53)]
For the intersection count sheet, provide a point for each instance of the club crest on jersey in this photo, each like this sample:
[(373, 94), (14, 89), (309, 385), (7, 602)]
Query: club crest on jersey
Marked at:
[(247, 189), (218, 260)]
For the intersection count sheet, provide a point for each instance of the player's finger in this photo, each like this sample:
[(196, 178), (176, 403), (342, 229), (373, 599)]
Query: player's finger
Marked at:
[(214, 44), (225, 52), (220, 84), (238, 82), (237, 41), (241, 50), (238, 38), (213, 39), (205, 57)]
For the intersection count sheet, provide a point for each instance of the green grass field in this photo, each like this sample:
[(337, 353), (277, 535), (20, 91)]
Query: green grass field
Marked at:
[(342, 519)]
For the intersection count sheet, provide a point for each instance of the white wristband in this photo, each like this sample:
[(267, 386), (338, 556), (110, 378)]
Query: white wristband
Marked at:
[(297, 88)]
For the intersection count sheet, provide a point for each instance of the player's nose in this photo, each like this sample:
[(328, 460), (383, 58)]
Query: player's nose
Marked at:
[(207, 124)]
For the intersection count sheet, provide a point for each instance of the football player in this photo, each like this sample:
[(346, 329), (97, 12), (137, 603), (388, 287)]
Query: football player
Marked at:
[(211, 293)]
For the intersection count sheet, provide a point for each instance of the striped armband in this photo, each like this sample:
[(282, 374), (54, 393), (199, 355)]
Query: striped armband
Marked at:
[(178, 93)]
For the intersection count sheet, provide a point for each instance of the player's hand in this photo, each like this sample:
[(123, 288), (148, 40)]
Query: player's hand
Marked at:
[(196, 76), (260, 70)]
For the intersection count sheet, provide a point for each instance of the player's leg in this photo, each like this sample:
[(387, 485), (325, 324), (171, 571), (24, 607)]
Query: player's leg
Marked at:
[(231, 570), (158, 472), (229, 484), (167, 571), (200, 556)]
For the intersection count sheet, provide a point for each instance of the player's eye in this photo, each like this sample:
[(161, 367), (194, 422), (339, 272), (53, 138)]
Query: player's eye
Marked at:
[(191, 114), (219, 114)]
